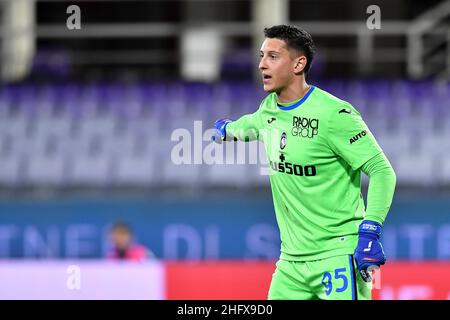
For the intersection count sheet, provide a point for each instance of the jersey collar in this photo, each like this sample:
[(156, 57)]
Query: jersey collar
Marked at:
[(299, 102)]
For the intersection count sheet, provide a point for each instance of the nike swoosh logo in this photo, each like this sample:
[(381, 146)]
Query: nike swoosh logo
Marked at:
[(344, 111), (271, 120)]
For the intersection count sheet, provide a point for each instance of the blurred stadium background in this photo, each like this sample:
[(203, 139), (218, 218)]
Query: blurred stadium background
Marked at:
[(89, 104)]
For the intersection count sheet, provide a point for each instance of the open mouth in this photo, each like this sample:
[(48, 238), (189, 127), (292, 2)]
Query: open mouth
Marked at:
[(266, 77)]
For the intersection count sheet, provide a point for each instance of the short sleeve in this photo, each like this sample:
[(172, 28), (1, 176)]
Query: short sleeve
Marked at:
[(350, 138)]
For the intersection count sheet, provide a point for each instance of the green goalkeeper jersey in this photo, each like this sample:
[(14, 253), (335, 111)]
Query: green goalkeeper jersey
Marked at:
[(315, 148)]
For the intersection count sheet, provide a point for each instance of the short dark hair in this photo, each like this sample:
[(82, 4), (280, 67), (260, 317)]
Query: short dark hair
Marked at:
[(123, 226), (295, 38)]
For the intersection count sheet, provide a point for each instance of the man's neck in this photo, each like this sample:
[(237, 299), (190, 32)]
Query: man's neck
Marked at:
[(293, 93)]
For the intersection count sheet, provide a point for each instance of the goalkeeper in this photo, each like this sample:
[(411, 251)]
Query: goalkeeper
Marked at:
[(317, 146)]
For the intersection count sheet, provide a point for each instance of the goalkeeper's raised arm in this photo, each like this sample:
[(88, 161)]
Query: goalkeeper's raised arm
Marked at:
[(246, 128)]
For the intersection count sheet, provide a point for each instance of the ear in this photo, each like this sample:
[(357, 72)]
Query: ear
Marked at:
[(300, 64)]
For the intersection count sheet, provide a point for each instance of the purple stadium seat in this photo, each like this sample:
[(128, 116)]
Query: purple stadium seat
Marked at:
[(135, 121)]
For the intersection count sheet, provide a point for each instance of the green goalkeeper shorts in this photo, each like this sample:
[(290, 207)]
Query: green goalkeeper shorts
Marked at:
[(334, 278)]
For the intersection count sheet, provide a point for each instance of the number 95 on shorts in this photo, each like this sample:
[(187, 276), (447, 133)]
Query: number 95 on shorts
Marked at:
[(334, 278)]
